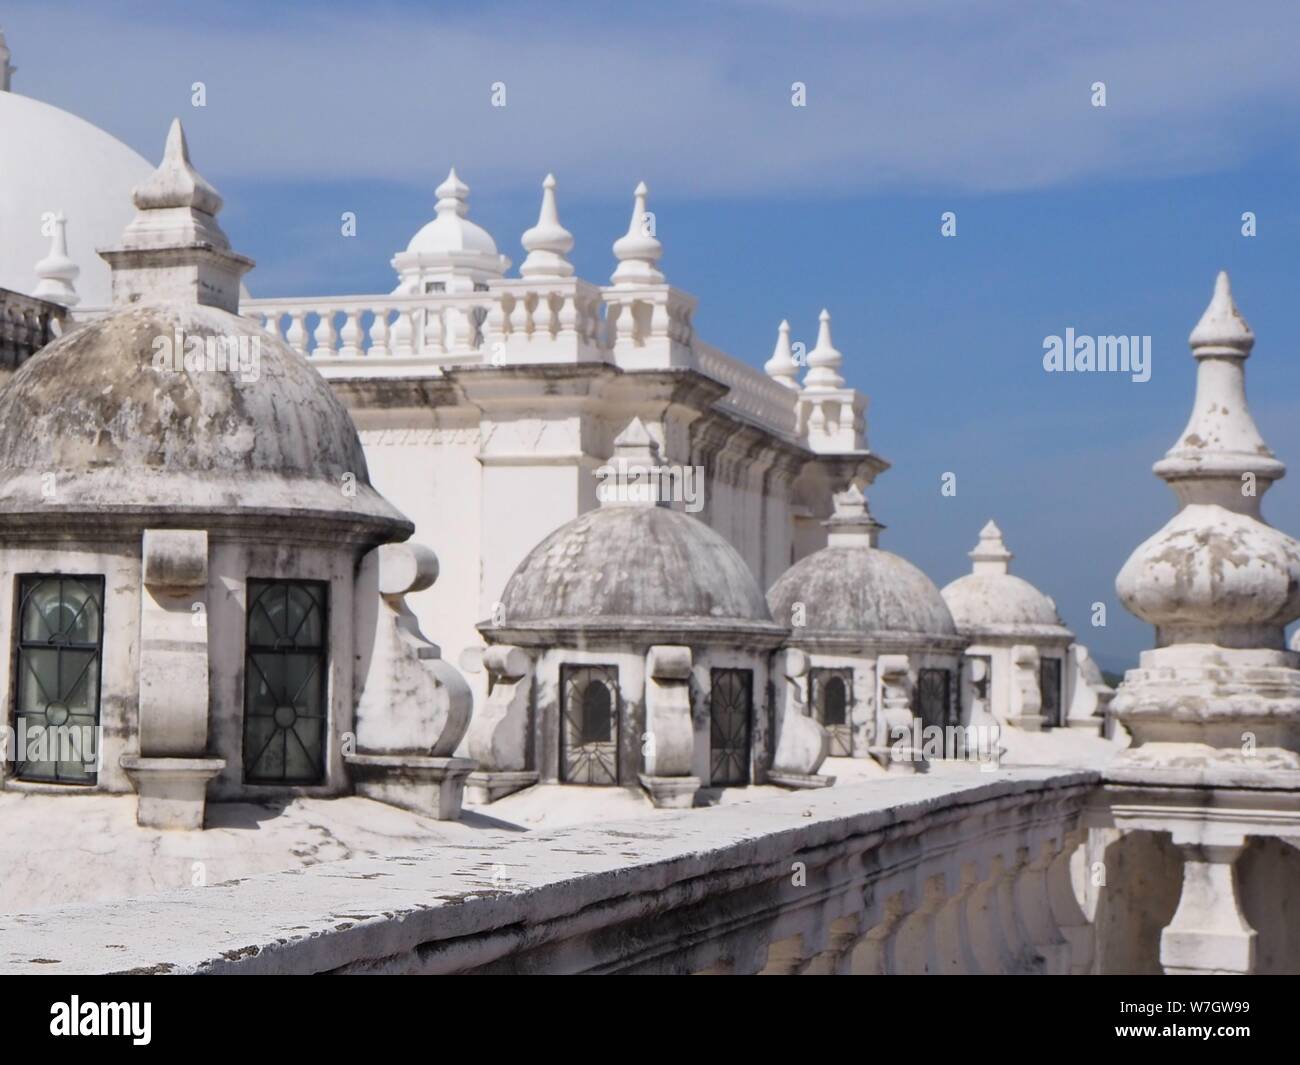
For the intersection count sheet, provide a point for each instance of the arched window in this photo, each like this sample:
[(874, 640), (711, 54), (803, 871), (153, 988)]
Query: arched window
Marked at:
[(589, 724), (57, 660), (832, 697), (285, 714)]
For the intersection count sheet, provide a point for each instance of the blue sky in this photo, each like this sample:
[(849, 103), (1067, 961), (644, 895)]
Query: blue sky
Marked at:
[(1108, 220)]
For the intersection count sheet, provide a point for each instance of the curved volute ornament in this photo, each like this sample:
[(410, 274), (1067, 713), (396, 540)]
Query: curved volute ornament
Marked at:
[(1217, 582)]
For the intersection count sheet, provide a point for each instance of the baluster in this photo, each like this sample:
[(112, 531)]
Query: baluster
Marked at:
[(296, 337), (325, 335), (542, 316), (271, 322), (519, 318), (494, 337), (379, 333), (567, 319), (403, 332), (351, 334), (625, 324), (434, 332)]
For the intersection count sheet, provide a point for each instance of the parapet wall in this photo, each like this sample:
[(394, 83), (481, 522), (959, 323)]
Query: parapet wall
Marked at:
[(942, 873)]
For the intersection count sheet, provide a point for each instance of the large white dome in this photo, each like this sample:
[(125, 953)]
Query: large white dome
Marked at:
[(53, 161)]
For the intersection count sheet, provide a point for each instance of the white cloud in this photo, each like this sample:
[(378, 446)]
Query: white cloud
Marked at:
[(943, 95)]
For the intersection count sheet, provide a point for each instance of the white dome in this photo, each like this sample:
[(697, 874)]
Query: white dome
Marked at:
[(451, 242), (56, 162), (991, 602)]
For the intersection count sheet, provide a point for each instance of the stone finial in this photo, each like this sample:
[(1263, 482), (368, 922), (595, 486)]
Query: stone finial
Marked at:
[(632, 474), (781, 367), (1217, 573), (824, 361), (174, 250), (1217, 582), (852, 524), (453, 195), (1221, 449), (175, 203), (638, 251), (7, 71), (57, 272), (990, 554), (548, 242)]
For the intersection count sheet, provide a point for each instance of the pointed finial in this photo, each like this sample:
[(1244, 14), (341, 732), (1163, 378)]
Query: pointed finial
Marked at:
[(633, 474), (1221, 448), (852, 524), (174, 248), (991, 554), (638, 251), (7, 71), (453, 195), (1222, 330), (57, 271), (824, 361), (781, 366), (176, 183), (548, 242)]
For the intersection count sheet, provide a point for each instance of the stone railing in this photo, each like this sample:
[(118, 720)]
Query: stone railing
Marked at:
[(754, 395), (960, 872), (360, 336), (26, 325)]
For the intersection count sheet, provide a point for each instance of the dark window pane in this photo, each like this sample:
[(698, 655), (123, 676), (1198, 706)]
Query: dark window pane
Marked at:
[(56, 664), (284, 683), (589, 724)]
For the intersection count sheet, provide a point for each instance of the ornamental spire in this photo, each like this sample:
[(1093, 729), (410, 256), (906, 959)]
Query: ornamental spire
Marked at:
[(824, 361), (1221, 457), (852, 524), (638, 251), (548, 242), (174, 249), (781, 367), (453, 195), (990, 554), (175, 203), (632, 475), (57, 271)]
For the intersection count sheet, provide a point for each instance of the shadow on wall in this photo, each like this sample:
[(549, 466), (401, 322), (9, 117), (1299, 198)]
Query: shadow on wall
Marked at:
[(1268, 880), (1144, 878)]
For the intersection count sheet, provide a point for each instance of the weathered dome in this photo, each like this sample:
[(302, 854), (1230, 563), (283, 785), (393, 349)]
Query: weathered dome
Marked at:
[(993, 602), (861, 591), (635, 567), (100, 421), (1001, 605)]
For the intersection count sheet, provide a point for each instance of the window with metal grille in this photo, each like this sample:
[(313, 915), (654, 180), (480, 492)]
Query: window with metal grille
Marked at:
[(731, 702), (589, 724), (285, 712), (832, 697), (1049, 688), (934, 705), (57, 654)]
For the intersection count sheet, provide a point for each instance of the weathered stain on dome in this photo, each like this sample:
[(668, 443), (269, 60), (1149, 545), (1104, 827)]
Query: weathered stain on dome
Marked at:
[(641, 562), (861, 591), (118, 431)]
